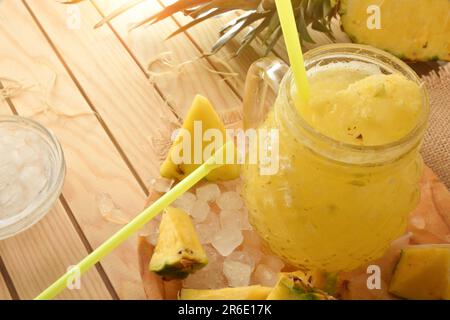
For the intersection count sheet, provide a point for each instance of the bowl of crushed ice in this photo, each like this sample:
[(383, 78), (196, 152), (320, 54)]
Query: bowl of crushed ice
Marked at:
[(32, 171)]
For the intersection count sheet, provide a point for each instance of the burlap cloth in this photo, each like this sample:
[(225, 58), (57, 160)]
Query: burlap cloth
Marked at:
[(436, 148)]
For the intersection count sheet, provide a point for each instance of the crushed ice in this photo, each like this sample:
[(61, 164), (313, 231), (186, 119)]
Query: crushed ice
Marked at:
[(235, 252), (25, 169)]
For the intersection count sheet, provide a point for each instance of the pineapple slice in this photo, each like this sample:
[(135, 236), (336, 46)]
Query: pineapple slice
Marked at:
[(294, 286), (416, 30), (245, 293), (423, 272), (201, 111), (178, 251)]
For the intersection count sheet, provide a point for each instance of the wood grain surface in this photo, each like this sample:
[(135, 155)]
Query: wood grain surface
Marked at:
[(108, 94)]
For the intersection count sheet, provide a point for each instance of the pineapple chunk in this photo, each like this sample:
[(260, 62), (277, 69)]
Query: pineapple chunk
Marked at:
[(178, 251), (423, 273), (200, 111), (293, 286), (417, 30), (244, 293)]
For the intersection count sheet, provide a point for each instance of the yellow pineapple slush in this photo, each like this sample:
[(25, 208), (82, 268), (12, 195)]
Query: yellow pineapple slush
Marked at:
[(322, 213)]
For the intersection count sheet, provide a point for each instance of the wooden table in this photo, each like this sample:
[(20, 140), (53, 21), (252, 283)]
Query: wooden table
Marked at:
[(90, 86), (107, 114)]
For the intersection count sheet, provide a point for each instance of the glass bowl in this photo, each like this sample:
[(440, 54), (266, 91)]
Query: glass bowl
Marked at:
[(32, 172)]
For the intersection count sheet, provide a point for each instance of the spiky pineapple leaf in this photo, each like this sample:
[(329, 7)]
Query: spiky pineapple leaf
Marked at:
[(259, 20)]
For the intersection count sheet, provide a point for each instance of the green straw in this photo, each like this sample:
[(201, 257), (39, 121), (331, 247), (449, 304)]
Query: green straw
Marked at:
[(133, 226), (294, 49)]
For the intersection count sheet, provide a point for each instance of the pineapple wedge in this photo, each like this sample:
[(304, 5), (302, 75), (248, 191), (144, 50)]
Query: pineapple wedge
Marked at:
[(416, 30), (423, 273), (178, 251), (256, 292), (203, 113), (293, 286)]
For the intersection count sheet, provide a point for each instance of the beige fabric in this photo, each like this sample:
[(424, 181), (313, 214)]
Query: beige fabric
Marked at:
[(436, 149)]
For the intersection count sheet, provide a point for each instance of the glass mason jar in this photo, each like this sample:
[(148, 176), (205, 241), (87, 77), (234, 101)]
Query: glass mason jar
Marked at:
[(331, 205)]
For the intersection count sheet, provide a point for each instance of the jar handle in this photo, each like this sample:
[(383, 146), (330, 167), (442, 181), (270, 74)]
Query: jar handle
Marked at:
[(261, 89)]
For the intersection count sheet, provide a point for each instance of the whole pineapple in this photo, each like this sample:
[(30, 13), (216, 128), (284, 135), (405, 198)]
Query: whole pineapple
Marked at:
[(416, 30)]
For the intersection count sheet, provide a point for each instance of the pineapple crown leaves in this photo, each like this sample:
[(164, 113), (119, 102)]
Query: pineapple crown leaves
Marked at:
[(258, 18)]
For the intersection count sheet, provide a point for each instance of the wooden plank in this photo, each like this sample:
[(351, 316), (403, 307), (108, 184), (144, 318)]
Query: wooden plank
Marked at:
[(130, 106), (4, 292), (146, 44), (27, 258), (94, 166)]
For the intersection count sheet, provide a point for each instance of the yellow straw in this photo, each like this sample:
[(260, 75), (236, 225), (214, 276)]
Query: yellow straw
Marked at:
[(294, 49), (133, 226)]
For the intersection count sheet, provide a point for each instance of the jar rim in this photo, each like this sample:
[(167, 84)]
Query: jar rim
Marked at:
[(371, 55)]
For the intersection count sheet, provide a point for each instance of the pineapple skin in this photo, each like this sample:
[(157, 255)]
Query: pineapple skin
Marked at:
[(414, 30)]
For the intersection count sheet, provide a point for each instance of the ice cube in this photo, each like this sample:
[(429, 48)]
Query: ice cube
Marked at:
[(200, 211), (244, 257), (418, 222), (8, 174), (10, 194), (105, 204), (230, 200), (230, 219), (34, 178), (209, 192), (210, 277), (118, 217), (237, 273), (13, 200), (253, 255), (110, 211), (161, 185), (208, 229), (227, 240), (27, 152), (185, 202), (274, 263), (212, 254), (265, 276), (151, 232)]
